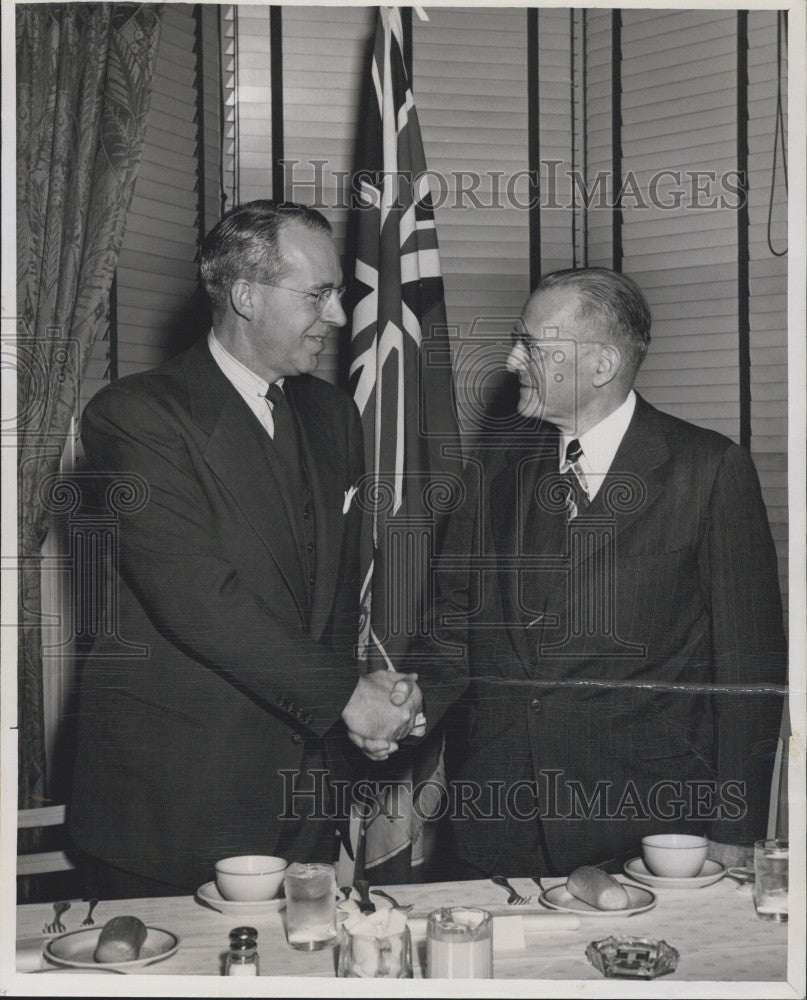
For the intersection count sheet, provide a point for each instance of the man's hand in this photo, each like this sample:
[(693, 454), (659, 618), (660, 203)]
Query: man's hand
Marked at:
[(374, 749), (381, 711), (403, 688)]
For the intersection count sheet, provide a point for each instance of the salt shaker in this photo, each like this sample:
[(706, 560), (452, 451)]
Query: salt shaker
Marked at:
[(242, 959)]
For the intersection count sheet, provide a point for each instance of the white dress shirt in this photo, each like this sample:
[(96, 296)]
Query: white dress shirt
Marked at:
[(251, 387), (600, 444)]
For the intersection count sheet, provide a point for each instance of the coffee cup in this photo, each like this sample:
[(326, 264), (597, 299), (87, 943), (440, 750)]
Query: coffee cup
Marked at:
[(674, 855)]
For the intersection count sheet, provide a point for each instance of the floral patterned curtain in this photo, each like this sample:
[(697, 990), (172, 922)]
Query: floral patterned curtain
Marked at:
[(84, 75)]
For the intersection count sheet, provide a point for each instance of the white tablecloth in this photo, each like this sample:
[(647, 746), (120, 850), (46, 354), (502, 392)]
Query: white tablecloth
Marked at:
[(715, 930)]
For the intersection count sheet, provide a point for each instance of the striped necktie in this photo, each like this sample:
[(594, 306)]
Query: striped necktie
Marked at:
[(577, 499)]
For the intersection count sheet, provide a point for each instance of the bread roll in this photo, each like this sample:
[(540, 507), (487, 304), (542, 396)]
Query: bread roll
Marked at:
[(120, 940), (590, 885)]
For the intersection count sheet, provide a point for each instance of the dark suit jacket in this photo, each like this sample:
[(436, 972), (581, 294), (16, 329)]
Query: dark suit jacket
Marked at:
[(181, 750), (583, 644)]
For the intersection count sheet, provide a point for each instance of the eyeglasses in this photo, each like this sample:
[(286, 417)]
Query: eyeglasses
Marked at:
[(527, 344), (536, 349), (320, 298)]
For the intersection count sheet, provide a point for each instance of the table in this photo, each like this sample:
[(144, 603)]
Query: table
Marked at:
[(715, 930)]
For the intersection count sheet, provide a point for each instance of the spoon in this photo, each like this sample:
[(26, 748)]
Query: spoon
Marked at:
[(396, 905), (366, 905), (346, 891), (745, 876)]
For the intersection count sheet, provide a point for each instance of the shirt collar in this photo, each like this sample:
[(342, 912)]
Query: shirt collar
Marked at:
[(600, 442), (243, 378)]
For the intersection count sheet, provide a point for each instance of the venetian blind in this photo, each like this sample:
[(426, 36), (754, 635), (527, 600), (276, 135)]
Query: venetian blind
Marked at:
[(157, 270), (557, 106), (768, 275), (326, 54), (599, 162), (229, 105), (470, 88), (679, 96), (209, 90), (248, 67)]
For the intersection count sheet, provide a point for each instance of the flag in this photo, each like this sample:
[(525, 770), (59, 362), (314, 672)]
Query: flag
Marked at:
[(402, 382)]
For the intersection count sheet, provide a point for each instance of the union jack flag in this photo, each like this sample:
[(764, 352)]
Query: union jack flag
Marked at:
[(402, 383)]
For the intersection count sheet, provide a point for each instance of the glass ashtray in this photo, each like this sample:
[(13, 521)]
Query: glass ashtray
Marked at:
[(632, 958)]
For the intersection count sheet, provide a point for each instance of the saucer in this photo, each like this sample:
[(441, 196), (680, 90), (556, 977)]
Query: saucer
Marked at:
[(209, 893), (76, 950), (712, 871), (559, 898)]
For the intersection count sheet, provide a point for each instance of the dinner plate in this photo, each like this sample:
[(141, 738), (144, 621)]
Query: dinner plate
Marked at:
[(76, 949), (712, 871), (209, 893), (559, 898)]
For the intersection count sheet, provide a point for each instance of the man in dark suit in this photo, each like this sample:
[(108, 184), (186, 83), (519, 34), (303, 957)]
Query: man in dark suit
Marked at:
[(238, 576), (617, 580)]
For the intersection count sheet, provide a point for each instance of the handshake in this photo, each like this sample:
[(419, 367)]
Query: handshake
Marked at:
[(382, 710)]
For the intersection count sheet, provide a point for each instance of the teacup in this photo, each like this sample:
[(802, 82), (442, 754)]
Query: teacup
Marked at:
[(674, 855), (250, 878)]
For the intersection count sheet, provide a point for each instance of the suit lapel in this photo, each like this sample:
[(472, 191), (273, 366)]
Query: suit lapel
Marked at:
[(237, 454), (632, 485)]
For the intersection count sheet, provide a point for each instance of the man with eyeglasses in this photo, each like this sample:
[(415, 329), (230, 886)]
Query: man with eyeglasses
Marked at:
[(619, 603), (226, 731)]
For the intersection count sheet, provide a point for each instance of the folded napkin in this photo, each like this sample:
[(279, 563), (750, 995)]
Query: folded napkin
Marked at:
[(29, 954), (419, 728), (508, 932)]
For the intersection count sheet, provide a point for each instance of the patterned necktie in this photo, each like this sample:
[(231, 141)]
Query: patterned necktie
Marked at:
[(577, 499)]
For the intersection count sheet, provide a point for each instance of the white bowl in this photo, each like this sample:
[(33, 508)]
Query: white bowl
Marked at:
[(674, 855), (250, 878)]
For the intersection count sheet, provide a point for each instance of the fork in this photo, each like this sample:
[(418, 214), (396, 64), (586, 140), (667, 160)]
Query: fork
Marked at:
[(516, 899), (88, 920), (56, 926)]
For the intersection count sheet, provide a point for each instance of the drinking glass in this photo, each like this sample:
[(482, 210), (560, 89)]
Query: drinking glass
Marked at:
[(771, 879), (366, 956), (310, 906), (459, 943)]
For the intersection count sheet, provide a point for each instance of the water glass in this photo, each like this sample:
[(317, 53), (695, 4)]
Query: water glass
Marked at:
[(364, 956), (310, 906), (459, 942), (771, 879)]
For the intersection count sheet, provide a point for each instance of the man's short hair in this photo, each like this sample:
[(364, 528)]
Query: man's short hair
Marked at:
[(244, 244), (612, 304)]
